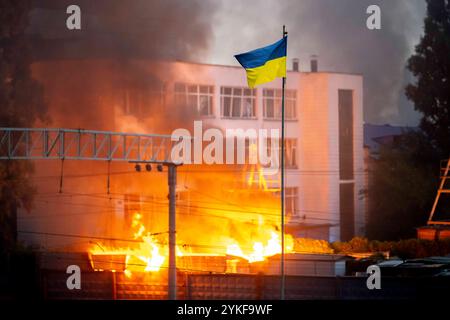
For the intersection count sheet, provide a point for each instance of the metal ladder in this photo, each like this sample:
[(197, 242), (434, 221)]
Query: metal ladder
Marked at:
[(445, 170)]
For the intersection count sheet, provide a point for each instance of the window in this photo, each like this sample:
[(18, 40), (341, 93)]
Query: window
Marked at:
[(140, 102), (291, 201), (198, 97), (346, 190), (345, 108), (251, 151), (132, 205), (272, 104), (237, 102), (290, 159), (347, 210)]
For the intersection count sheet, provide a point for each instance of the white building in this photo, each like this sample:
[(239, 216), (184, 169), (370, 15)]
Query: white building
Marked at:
[(324, 137)]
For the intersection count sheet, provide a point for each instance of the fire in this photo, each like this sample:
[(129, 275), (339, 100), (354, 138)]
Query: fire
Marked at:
[(150, 255), (251, 238), (127, 273), (154, 259), (149, 249), (147, 256), (260, 250)]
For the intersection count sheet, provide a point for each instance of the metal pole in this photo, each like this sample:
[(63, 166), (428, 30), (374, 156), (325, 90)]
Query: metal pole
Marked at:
[(283, 276), (172, 282)]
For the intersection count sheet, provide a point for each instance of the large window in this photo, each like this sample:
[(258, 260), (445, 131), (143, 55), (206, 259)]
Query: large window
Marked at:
[(346, 190), (238, 102), (347, 210), (345, 106), (198, 97), (272, 104), (142, 102)]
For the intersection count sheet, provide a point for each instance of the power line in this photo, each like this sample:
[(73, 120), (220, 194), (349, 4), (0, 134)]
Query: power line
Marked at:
[(65, 235), (262, 213), (289, 172), (243, 208), (163, 243), (230, 210)]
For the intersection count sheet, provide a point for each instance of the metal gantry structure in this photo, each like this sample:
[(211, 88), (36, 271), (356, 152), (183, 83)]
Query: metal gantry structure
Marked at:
[(78, 144)]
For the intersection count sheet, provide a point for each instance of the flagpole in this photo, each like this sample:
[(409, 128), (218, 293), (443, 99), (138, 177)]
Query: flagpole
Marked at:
[(283, 276)]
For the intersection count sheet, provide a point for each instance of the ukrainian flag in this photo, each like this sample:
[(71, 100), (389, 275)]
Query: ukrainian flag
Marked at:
[(264, 64)]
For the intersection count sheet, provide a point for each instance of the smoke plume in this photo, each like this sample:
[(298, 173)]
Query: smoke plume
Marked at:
[(169, 29), (92, 74), (336, 31)]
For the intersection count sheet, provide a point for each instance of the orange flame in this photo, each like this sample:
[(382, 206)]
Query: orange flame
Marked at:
[(260, 250), (149, 250)]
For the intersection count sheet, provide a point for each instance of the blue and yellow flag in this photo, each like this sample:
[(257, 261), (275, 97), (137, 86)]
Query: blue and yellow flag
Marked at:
[(264, 64)]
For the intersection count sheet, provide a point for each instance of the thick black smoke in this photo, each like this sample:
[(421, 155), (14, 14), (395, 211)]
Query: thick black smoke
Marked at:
[(84, 70), (170, 29), (185, 29)]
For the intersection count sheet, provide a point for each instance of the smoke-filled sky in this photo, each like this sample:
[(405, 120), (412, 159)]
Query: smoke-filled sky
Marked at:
[(213, 31), (335, 31)]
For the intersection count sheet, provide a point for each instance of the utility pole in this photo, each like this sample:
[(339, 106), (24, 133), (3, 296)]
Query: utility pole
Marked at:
[(172, 183), (172, 180)]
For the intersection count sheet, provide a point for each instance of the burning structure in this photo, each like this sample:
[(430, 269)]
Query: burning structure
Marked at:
[(221, 209), (228, 213)]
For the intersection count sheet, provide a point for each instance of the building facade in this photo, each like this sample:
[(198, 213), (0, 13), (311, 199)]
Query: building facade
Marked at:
[(324, 137), (325, 177)]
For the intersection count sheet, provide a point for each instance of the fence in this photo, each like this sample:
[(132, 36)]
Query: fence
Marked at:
[(109, 285)]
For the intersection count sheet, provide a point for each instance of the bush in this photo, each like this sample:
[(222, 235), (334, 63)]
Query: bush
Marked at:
[(404, 249), (306, 245), (356, 245)]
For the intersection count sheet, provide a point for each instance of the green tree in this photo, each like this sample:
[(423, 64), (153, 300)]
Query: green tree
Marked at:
[(21, 103), (402, 187), (430, 64)]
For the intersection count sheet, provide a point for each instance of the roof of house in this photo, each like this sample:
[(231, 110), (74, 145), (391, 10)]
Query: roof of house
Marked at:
[(375, 134)]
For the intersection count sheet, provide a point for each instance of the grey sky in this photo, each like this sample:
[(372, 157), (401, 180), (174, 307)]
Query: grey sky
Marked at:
[(214, 30), (335, 31)]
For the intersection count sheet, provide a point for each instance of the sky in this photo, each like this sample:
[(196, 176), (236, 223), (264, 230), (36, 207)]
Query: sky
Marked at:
[(335, 31), (213, 31)]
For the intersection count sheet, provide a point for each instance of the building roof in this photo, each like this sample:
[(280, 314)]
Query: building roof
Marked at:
[(375, 135), (239, 67), (38, 60)]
